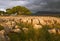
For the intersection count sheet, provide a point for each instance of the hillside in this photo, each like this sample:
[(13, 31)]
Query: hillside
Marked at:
[(48, 13)]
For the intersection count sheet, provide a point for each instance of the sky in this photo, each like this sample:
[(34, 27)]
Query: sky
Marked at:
[(33, 5)]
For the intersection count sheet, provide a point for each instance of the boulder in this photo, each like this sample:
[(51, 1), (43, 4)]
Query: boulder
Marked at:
[(52, 31), (3, 37), (37, 26), (16, 30), (25, 30)]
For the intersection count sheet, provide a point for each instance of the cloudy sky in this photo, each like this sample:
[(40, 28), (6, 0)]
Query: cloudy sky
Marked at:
[(33, 5)]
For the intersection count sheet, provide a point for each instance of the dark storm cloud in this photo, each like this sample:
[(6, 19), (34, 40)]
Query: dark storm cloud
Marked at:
[(34, 5), (47, 5)]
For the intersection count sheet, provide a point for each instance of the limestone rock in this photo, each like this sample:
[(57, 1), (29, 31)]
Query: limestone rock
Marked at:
[(37, 26), (3, 37), (16, 30)]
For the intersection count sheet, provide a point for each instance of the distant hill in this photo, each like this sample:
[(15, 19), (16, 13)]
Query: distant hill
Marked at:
[(46, 13)]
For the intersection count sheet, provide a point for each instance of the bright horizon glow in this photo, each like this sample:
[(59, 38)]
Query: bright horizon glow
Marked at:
[(2, 9)]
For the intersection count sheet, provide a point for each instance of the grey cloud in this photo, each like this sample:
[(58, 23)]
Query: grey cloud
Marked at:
[(50, 5), (35, 5), (13, 0), (6, 4), (15, 3)]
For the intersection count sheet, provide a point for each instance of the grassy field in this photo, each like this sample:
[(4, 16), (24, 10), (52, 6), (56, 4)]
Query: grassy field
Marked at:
[(50, 31), (31, 34)]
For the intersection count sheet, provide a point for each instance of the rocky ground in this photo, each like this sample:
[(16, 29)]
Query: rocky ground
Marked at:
[(10, 24)]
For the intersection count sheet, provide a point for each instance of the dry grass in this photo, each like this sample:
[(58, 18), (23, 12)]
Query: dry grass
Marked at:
[(35, 32), (31, 34)]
